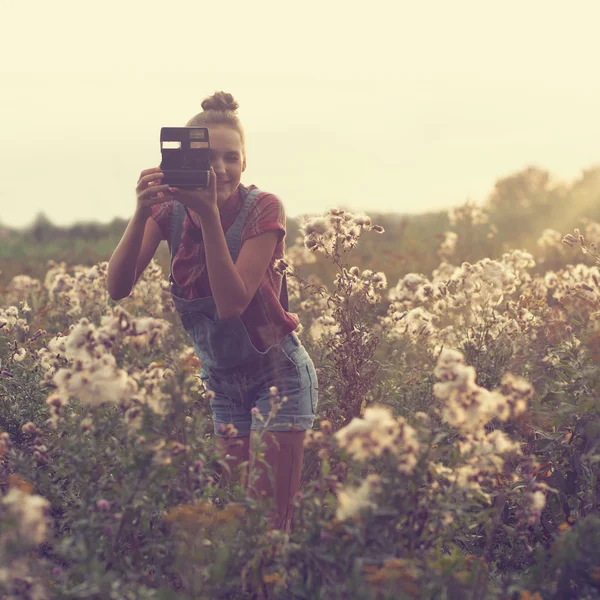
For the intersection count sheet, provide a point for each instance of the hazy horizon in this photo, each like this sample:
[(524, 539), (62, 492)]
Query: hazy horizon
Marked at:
[(402, 108)]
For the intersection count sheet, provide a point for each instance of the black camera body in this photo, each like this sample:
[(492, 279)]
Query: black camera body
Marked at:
[(185, 157)]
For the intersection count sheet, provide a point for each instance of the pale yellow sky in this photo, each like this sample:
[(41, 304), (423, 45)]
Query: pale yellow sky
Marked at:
[(378, 106)]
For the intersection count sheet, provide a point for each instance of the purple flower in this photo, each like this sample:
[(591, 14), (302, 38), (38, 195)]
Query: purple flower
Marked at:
[(102, 504)]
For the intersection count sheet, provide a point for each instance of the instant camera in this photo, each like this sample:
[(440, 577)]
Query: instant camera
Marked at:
[(185, 157)]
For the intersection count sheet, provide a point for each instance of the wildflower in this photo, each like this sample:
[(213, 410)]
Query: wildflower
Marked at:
[(378, 433), (337, 229), (326, 426), (533, 503), (353, 500), (228, 430), (318, 225), (103, 504), (177, 448), (30, 512), (56, 401), (447, 519), (97, 382), (23, 285), (87, 424), (31, 429), (39, 452), (422, 417), (518, 392), (189, 358), (19, 355), (151, 290), (569, 239), (10, 321), (280, 266), (162, 455), (133, 418), (313, 438), (469, 407), (438, 469), (419, 322), (325, 325), (380, 280), (499, 443)]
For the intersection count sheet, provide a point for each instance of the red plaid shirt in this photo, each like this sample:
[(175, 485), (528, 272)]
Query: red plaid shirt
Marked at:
[(265, 318)]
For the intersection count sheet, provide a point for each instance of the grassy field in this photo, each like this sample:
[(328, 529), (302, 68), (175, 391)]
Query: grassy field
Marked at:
[(456, 446)]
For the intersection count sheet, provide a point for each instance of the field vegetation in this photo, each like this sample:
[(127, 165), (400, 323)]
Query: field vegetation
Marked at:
[(456, 450)]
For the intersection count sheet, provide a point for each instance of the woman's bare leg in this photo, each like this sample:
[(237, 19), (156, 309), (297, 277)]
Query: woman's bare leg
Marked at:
[(284, 454)]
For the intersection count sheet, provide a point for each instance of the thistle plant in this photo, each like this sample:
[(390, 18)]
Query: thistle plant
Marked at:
[(345, 327), (455, 452)]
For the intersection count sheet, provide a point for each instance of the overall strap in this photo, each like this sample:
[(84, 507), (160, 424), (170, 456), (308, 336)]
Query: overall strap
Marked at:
[(283, 297), (234, 233), (233, 237), (176, 231)]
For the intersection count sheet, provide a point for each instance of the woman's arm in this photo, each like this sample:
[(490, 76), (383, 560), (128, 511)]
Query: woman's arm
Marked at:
[(234, 286), (132, 255)]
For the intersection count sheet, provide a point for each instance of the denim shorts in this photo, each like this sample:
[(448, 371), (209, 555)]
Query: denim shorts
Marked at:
[(286, 366)]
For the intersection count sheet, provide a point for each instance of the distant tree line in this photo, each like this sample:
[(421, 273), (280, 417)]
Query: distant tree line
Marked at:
[(514, 215)]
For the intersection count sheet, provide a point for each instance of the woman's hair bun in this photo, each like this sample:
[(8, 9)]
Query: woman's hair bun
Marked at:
[(220, 101)]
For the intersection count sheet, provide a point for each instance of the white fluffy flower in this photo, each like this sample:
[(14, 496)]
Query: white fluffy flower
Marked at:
[(30, 512), (352, 500)]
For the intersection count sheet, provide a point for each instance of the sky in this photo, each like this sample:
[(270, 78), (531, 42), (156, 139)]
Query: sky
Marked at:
[(384, 106)]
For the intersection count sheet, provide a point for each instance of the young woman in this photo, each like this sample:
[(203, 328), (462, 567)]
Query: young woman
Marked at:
[(224, 241)]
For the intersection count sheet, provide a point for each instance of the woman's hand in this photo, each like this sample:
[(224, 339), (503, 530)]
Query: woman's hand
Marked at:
[(150, 191), (201, 200)]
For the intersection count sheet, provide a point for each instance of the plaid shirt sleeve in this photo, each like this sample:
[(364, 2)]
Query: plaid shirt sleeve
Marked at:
[(266, 214), (162, 214)]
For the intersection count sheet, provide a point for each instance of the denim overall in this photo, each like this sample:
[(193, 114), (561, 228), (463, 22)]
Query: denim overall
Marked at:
[(239, 374)]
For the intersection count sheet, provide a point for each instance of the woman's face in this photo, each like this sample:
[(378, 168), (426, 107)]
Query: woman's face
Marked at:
[(226, 159)]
